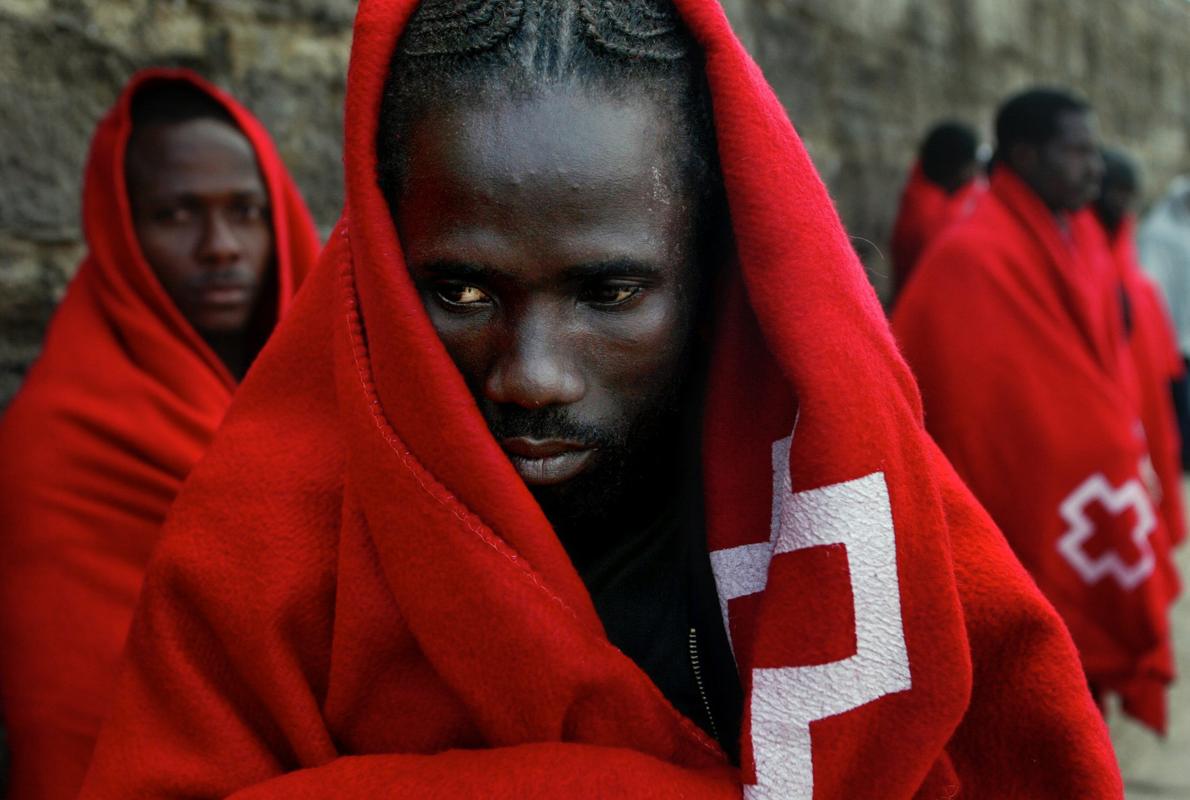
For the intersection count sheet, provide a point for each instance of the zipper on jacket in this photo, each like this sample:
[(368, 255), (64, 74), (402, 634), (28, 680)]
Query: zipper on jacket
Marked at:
[(702, 692)]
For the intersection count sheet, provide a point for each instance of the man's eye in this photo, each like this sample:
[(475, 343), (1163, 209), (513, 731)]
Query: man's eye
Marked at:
[(173, 214), (611, 295), (250, 212), (462, 295)]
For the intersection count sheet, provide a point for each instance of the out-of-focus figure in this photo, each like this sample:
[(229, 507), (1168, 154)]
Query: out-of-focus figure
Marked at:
[(942, 187), (197, 241), (1163, 241), (1015, 327), (1150, 334)]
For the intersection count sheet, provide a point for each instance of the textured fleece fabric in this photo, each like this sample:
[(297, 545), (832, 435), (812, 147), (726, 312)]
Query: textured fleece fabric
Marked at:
[(358, 596), (122, 402), (1014, 326)]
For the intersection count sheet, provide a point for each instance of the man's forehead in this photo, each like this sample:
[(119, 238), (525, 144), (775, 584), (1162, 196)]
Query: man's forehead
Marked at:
[(566, 140), (511, 178), (1076, 126), (202, 152), (192, 143)]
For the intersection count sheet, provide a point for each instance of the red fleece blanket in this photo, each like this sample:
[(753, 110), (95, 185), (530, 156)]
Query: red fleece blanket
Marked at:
[(925, 211), (1015, 331), (350, 603), (1158, 362), (122, 402)]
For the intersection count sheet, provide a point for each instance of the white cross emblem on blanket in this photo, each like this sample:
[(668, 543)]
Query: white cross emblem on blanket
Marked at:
[(1131, 495), (785, 700)]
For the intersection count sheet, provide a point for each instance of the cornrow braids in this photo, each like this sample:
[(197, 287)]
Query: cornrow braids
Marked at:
[(460, 51), (450, 27), (635, 29)]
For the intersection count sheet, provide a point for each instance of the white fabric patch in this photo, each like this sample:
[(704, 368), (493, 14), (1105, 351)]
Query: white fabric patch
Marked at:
[(1073, 509), (785, 700)]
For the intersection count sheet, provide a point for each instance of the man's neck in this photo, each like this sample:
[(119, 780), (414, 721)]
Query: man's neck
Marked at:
[(637, 514), (234, 350), (652, 491)]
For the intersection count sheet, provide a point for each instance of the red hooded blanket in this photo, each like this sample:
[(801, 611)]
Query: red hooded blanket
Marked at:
[(350, 604), (121, 404), (925, 211), (1015, 330)]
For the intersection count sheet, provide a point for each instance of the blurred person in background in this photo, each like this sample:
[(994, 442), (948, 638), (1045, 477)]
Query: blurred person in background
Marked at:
[(942, 187), (1015, 328), (197, 240), (1160, 370), (1163, 243)]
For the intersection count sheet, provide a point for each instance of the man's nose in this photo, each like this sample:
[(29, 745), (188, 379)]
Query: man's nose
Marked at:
[(537, 368), (219, 244)]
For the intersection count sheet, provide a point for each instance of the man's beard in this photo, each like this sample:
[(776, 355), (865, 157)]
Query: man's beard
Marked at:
[(637, 461)]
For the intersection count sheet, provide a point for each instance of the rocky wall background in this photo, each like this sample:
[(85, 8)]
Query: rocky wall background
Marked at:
[(862, 79), (62, 63)]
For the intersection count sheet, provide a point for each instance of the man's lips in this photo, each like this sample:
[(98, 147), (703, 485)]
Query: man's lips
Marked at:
[(543, 462), (224, 294)]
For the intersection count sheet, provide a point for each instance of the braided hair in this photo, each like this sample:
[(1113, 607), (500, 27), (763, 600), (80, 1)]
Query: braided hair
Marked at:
[(453, 51)]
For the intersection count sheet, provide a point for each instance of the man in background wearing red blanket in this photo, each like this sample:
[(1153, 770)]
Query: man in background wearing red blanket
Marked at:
[(1015, 329), (1151, 336), (942, 187), (553, 486), (197, 240)]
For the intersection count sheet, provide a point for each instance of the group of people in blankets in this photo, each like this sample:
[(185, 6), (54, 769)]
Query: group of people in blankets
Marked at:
[(583, 460)]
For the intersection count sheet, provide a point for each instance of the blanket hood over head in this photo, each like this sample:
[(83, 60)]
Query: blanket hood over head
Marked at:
[(123, 400), (373, 607)]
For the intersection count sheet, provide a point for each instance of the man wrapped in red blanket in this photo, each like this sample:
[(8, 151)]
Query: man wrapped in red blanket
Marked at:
[(943, 186), (1151, 337), (554, 485), (197, 240), (1015, 328)]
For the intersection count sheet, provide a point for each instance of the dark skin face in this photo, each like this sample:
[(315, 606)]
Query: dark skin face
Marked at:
[(553, 244), (201, 214), (1113, 203), (1066, 171)]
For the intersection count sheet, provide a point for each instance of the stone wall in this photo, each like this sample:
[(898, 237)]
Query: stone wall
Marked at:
[(62, 63), (862, 79)]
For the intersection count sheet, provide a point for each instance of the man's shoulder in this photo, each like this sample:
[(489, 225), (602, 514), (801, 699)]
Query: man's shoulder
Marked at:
[(987, 229), (967, 251), (261, 522)]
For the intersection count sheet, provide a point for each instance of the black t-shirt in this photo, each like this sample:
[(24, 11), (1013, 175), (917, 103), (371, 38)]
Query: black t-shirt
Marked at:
[(655, 593)]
